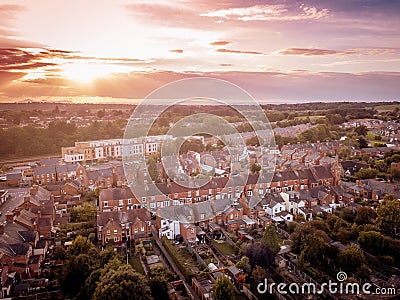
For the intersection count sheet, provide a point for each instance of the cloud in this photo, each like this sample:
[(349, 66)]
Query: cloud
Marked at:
[(264, 86), (314, 52), (8, 12), (223, 50), (327, 52), (276, 12), (176, 50), (220, 43)]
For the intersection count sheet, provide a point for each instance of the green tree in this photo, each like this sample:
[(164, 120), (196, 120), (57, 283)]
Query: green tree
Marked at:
[(351, 258), (158, 281), (255, 168), (75, 273), (367, 173), (271, 239), (361, 130), (123, 283), (152, 168), (388, 215), (81, 245), (244, 264), (83, 213), (223, 288), (253, 141), (372, 241), (313, 249), (364, 215)]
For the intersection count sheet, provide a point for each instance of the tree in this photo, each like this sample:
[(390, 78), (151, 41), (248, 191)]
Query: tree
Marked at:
[(388, 215), (362, 143), (244, 264), (253, 141), (372, 241), (364, 215), (313, 249), (158, 281), (361, 130), (299, 235), (367, 173), (255, 168), (223, 288), (83, 213), (271, 239), (59, 253), (195, 145), (152, 168), (351, 258), (81, 245), (101, 113), (259, 255), (123, 283), (75, 273)]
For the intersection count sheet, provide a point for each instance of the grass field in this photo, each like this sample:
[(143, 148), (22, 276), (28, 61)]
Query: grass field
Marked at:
[(136, 264), (387, 107), (223, 247)]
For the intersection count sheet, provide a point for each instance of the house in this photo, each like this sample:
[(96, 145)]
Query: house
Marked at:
[(118, 227), (117, 199), (350, 167), (188, 232), (169, 228), (273, 204), (14, 179)]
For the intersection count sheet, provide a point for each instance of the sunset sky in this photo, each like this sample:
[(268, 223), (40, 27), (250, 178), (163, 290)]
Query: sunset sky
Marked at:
[(289, 51)]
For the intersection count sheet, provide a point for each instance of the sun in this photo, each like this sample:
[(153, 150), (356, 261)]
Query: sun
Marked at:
[(86, 72)]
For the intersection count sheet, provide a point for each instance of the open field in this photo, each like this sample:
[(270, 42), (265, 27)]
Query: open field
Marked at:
[(387, 107)]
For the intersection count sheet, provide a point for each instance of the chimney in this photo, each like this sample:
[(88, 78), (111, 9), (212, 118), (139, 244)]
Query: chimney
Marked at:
[(168, 182), (1, 229), (39, 214), (9, 217), (27, 198)]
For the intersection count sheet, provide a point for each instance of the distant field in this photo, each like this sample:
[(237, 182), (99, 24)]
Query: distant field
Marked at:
[(312, 118), (388, 107)]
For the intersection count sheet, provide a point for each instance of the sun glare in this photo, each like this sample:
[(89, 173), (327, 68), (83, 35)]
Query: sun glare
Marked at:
[(87, 72)]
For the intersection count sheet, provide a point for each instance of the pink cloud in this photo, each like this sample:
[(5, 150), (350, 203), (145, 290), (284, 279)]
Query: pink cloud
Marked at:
[(277, 12)]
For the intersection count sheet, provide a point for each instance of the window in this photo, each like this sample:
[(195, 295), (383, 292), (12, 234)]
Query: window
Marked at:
[(116, 239), (236, 215), (192, 230), (231, 216), (143, 199), (120, 202), (142, 228), (202, 216), (105, 204), (115, 231), (108, 232), (135, 230), (129, 201)]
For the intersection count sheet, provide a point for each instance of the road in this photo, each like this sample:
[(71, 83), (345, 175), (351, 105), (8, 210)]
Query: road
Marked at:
[(17, 198)]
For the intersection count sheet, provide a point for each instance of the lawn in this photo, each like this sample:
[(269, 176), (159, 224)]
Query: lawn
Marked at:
[(136, 264), (387, 107), (223, 247)]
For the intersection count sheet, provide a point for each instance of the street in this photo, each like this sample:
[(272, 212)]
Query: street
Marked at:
[(17, 198)]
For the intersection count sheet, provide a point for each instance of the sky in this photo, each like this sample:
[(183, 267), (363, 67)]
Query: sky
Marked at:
[(278, 51)]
